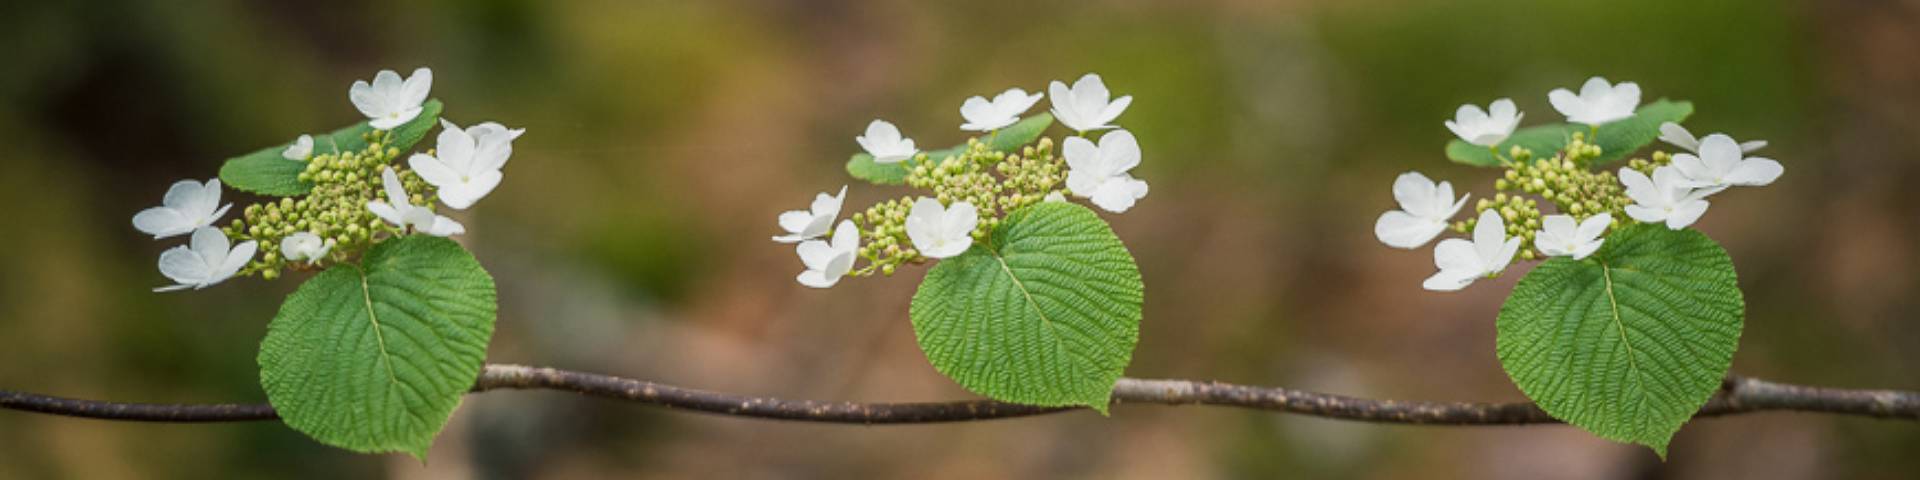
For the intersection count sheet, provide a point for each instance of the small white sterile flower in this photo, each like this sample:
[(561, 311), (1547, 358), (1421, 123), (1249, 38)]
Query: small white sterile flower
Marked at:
[(1679, 136), (401, 212), (188, 205), (305, 246), (941, 232), (389, 101), (1598, 101), (1425, 209), (1488, 127), (884, 143), (1719, 165), (827, 262), (208, 260), (1055, 196), (300, 149), (1461, 262), (1559, 236), (1668, 197), (813, 222), (1100, 173), (1088, 106), (1004, 110), (466, 163)]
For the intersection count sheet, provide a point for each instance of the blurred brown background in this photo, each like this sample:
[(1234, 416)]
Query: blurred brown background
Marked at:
[(664, 136)]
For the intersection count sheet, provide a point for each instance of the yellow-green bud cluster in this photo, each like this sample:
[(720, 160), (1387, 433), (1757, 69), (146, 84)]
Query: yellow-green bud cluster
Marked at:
[(1520, 214), (996, 183), (1646, 166), (884, 243), (1564, 181), (335, 209)]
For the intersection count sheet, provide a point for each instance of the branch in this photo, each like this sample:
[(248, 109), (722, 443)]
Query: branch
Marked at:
[(1737, 395)]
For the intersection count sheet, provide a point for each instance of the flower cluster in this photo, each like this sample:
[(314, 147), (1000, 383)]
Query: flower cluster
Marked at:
[(1669, 189), (357, 197), (969, 190)]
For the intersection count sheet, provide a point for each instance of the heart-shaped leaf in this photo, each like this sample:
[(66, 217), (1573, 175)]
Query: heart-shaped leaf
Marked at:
[(1047, 312), (374, 357), (1629, 342)]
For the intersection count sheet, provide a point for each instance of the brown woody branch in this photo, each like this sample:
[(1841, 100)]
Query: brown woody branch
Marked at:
[(1738, 395)]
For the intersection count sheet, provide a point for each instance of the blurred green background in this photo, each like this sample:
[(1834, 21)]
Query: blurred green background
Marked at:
[(630, 236)]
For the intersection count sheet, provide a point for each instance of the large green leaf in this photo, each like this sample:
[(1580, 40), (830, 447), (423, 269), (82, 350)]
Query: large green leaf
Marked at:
[(374, 357), (1009, 139), (1617, 139), (1046, 313), (1630, 342), (265, 172)]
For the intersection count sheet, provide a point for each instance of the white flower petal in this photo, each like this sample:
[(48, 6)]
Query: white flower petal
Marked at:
[(233, 262), (1754, 172), (433, 170), (1398, 229), (1646, 214), (1686, 213), (162, 222), (1449, 281), (300, 149), (1458, 255), (386, 212), (1678, 136), (443, 227), (815, 254), (184, 266), (1415, 192)]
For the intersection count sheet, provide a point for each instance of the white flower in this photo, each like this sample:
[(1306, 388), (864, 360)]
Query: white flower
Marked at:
[(300, 149), (1424, 211), (1719, 165), (1679, 136), (390, 102), (305, 246), (1598, 101), (941, 232), (466, 165), (1667, 197), (1488, 127), (827, 262), (811, 223), (1086, 106), (1461, 262), (884, 143), (1055, 196), (206, 261), (1005, 109), (1100, 172), (402, 213), (1560, 237), (188, 205)]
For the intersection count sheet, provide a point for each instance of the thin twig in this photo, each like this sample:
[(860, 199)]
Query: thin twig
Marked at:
[(1737, 395)]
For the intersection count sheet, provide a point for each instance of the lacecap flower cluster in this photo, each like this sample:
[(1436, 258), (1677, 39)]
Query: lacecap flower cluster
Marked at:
[(1670, 189), (969, 193), (358, 198)]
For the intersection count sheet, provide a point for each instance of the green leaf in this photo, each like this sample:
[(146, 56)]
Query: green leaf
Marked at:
[(1046, 313), (1009, 139), (1630, 342), (374, 357), (862, 166), (265, 172), (1617, 139)]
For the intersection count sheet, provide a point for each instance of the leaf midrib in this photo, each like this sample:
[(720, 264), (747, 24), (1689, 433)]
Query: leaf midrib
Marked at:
[(366, 294), (1620, 325), (1031, 303)]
